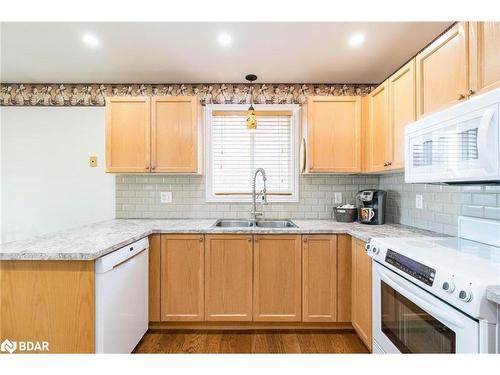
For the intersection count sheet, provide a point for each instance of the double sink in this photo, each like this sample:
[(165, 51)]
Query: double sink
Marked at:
[(230, 223)]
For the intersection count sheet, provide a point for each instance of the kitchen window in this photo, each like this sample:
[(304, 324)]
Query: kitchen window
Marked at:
[(233, 152)]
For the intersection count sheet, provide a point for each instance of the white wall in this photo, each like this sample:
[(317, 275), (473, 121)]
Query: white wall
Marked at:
[(47, 184)]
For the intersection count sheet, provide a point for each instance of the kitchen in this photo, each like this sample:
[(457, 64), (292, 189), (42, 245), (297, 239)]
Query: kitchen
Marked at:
[(275, 205)]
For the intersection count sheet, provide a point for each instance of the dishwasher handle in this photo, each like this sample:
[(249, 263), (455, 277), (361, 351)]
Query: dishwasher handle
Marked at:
[(121, 255)]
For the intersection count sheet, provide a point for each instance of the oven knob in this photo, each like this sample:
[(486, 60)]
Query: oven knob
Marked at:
[(375, 250), (465, 295), (367, 247), (448, 286)]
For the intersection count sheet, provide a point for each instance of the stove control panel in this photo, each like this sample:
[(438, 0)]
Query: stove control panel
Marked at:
[(411, 267)]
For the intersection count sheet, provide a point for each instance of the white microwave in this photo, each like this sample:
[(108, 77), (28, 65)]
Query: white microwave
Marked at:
[(456, 145)]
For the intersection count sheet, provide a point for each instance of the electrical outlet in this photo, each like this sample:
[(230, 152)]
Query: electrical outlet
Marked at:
[(419, 201), (166, 197), (337, 197), (93, 161)]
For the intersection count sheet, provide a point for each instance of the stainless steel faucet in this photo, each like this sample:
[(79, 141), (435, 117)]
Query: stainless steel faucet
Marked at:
[(254, 213)]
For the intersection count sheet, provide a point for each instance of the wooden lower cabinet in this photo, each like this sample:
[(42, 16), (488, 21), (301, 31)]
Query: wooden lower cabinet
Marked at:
[(344, 277), (228, 277), (361, 292), (319, 278), (277, 278), (48, 300), (155, 278), (182, 277)]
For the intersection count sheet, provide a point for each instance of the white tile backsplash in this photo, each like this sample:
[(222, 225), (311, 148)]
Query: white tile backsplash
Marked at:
[(139, 197)]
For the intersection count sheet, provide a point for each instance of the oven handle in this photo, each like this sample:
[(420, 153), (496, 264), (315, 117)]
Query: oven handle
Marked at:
[(435, 311)]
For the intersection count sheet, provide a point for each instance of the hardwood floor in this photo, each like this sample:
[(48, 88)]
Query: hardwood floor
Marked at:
[(250, 341)]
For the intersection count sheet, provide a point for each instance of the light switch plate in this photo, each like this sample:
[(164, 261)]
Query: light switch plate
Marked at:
[(419, 201), (93, 161), (166, 197), (337, 197)]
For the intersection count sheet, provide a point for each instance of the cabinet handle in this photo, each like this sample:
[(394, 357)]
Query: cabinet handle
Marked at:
[(389, 163), (471, 92), (305, 239), (249, 239), (385, 164), (153, 167), (147, 167), (201, 239), (461, 96)]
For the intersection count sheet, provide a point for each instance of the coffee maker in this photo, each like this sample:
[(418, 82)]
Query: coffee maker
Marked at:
[(371, 206)]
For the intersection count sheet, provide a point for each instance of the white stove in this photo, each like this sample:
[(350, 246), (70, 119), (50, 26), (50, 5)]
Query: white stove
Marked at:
[(433, 290)]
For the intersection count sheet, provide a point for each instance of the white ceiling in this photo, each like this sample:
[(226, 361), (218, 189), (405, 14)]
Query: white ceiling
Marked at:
[(188, 52)]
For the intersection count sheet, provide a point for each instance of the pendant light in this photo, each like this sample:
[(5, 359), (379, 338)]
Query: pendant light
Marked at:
[(251, 119)]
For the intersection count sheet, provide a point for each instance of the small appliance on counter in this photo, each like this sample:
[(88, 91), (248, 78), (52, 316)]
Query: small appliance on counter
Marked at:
[(346, 213), (371, 206)]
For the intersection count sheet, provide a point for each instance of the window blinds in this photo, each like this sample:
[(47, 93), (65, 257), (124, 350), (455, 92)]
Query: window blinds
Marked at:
[(237, 152)]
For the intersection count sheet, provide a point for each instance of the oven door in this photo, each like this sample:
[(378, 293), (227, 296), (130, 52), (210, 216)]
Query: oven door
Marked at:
[(408, 319)]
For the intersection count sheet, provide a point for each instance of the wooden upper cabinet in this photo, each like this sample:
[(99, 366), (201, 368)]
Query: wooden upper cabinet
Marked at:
[(484, 56), (228, 277), (377, 132), (441, 70), (402, 111), (127, 134), (277, 278), (182, 277), (174, 134), (333, 134), (319, 278), (361, 311)]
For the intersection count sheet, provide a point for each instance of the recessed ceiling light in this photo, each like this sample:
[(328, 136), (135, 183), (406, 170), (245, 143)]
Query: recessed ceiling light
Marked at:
[(224, 39), (90, 40), (356, 40)]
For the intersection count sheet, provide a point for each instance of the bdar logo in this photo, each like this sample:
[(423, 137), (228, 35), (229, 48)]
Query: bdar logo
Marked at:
[(8, 346)]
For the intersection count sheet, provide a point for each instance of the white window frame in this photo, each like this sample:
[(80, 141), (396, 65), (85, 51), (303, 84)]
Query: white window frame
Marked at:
[(295, 109)]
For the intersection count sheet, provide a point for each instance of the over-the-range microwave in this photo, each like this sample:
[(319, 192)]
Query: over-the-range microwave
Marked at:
[(456, 145)]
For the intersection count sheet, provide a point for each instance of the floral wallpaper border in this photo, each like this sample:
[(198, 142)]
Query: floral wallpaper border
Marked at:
[(50, 94)]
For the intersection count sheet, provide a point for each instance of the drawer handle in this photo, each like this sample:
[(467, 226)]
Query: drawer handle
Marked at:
[(471, 92), (461, 96)]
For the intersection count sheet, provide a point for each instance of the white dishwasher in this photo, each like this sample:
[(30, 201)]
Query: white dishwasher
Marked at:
[(121, 298)]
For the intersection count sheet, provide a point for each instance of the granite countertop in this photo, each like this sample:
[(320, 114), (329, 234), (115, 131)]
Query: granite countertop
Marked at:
[(95, 240)]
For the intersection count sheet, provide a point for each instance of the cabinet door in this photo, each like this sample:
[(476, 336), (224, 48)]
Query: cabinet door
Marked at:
[(344, 278), (154, 277), (378, 141), (334, 133), (277, 278), (442, 71), (402, 111), (174, 134), (182, 278), (319, 278), (127, 134), (484, 56), (361, 292), (228, 277)]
